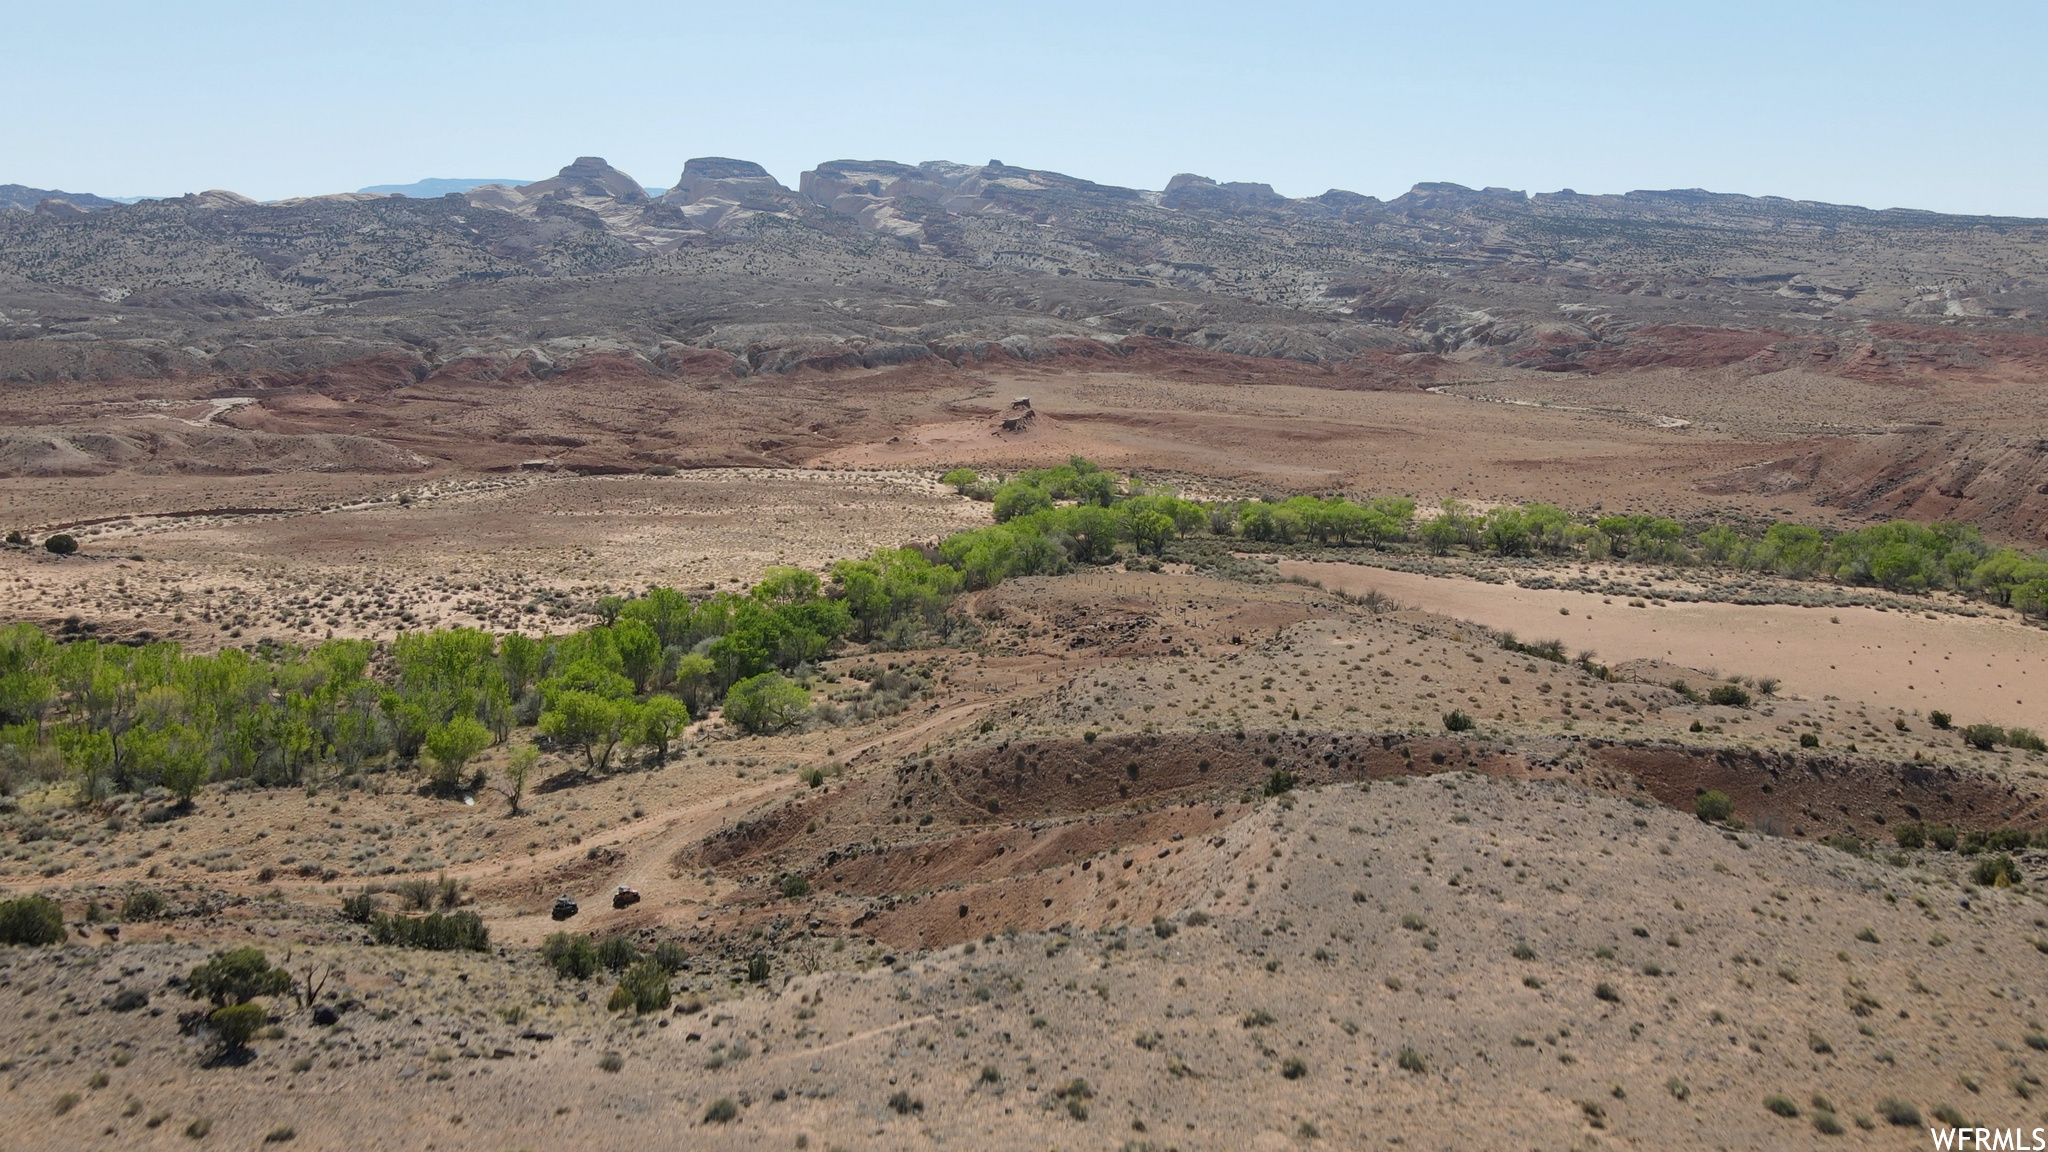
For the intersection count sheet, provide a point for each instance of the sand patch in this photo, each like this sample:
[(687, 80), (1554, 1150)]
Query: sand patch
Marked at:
[(1980, 669)]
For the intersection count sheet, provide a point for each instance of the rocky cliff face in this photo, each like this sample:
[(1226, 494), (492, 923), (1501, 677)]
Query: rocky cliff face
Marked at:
[(1559, 282)]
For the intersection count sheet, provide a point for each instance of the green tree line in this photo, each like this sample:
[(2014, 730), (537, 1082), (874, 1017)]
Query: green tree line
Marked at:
[(119, 718), (114, 717)]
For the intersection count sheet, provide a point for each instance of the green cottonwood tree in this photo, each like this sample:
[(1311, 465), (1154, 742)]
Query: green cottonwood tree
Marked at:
[(661, 720), (590, 722), (453, 745), (766, 703), (518, 770)]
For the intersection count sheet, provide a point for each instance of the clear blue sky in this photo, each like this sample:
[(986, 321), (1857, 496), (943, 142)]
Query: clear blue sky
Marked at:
[(1882, 104)]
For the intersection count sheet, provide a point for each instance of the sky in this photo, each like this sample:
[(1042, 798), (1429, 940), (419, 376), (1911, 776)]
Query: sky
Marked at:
[(1878, 104)]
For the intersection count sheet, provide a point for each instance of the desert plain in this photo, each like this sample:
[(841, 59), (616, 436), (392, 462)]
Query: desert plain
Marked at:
[(1213, 835)]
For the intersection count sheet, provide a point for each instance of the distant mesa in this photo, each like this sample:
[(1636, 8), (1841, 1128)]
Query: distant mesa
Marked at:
[(437, 186), (722, 178), (590, 178), (1188, 190), (22, 198), (590, 183), (213, 198)]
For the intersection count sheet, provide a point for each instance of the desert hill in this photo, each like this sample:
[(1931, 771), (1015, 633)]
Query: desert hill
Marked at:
[(1060, 901)]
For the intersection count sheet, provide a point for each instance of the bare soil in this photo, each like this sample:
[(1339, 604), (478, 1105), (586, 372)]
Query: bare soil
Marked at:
[(1069, 858), (1978, 668)]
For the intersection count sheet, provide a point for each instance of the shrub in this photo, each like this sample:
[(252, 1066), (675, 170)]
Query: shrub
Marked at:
[(1551, 650), (644, 988), (766, 703), (1729, 696), (1944, 721), (570, 954), (142, 904), (236, 1024), (1713, 806), (434, 932), (361, 907), (1983, 736), (2025, 739), (1996, 872), (1942, 837), (1782, 1105), (31, 920), (611, 1061), (1898, 1113), (417, 892), (1605, 991), (1411, 1061), (1522, 951), (2003, 840), (62, 544), (794, 886), (1280, 782), (237, 976), (902, 1104), (1911, 836), (1809, 740), (1075, 1089), (757, 968), (1457, 721), (961, 479), (1293, 1068), (1826, 1124), (722, 1111), (670, 956), (617, 953)]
